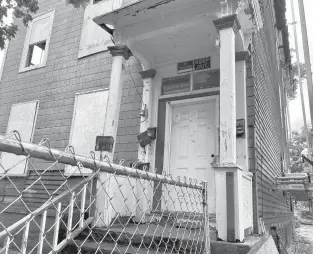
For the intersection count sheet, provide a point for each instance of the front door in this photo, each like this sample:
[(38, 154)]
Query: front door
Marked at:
[(192, 147)]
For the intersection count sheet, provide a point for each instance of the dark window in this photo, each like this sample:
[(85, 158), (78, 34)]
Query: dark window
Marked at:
[(36, 53), (205, 79), (178, 84)]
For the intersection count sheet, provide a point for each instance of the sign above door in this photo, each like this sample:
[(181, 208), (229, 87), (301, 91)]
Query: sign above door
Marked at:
[(194, 65)]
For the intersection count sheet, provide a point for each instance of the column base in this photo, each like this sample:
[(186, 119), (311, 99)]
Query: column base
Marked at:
[(229, 202)]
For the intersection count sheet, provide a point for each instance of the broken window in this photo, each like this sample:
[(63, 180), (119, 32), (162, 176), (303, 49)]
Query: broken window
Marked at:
[(36, 54), (37, 41)]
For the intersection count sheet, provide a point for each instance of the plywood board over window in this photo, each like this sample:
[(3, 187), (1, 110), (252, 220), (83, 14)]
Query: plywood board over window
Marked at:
[(94, 39), (22, 119), (87, 123), (36, 45)]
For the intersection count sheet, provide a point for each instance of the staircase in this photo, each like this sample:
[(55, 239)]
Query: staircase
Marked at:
[(170, 233)]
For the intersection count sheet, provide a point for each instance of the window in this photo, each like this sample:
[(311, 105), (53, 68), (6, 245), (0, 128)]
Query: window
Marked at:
[(22, 118), (206, 79), (196, 80), (37, 39)]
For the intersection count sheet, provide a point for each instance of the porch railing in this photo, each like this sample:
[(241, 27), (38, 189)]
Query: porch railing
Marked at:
[(112, 209)]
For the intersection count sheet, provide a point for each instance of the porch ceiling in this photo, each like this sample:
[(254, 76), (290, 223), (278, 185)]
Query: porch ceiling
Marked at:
[(164, 12), (177, 44), (165, 32)]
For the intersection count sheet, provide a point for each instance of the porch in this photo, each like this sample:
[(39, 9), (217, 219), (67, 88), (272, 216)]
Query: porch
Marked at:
[(193, 56)]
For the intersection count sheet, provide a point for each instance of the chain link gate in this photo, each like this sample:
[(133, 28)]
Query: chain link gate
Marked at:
[(71, 218)]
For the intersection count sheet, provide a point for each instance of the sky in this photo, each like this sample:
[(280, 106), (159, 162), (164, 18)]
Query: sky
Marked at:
[(295, 108)]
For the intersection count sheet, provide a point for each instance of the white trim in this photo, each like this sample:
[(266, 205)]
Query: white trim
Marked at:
[(195, 92), (168, 124), (5, 51), (49, 13), (92, 91), (67, 168)]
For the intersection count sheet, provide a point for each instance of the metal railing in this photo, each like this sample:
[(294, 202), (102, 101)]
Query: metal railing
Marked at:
[(113, 209)]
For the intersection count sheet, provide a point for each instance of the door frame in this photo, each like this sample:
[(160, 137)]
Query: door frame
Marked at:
[(168, 125)]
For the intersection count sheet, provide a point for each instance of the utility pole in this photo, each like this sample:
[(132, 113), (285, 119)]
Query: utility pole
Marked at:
[(300, 78), (309, 77), (306, 57)]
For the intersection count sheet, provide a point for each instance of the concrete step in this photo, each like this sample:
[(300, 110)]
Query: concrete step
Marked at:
[(148, 236), (253, 244), (181, 219), (108, 248)]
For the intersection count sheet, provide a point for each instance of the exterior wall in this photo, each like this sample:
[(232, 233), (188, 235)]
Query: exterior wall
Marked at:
[(267, 138), (55, 86)]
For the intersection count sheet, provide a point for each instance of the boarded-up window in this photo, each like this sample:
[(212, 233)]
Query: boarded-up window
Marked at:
[(94, 39), (87, 123), (22, 119)]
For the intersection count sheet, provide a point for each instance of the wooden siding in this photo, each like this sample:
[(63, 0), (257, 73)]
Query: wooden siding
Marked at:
[(55, 86), (267, 135)]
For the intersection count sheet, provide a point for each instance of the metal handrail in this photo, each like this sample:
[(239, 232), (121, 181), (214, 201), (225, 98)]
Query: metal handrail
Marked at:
[(40, 152), (53, 155)]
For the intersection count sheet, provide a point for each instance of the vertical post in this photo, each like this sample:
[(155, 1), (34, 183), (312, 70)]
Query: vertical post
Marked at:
[(300, 77), (42, 233), (145, 154), (206, 220), (241, 106), (57, 226), (229, 209), (227, 26), (306, 57), (119, 54), (25, 238)]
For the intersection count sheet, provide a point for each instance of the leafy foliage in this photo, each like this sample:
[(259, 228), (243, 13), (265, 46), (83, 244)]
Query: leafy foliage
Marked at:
[(22, 10), (297, 146), (78, 3), (295, 79)]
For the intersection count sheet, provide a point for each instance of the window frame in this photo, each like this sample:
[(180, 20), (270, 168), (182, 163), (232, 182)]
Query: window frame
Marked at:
[(25, 55), (192, 90)]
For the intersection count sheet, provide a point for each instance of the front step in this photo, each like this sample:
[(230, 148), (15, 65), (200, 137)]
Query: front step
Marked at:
[(182, 219), (108, 248), (138, 238)]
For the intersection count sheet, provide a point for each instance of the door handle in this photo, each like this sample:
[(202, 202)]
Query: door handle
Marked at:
[(213, 155)]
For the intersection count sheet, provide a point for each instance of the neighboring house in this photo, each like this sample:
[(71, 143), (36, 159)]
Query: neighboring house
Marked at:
[(214, 87)]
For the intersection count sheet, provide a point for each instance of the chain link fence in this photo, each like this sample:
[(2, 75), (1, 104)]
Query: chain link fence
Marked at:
[(110, 209)]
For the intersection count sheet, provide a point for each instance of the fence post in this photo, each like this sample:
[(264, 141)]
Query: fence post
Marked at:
[(206, 224)]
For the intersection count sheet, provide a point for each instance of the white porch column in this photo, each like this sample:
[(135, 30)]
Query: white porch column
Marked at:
[(228, 175), (119, 54), (145, 155), (241, 108)]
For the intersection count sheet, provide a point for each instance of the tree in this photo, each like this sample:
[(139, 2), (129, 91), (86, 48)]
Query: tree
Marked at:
[(22, 10), (297, 147), (295, 79)]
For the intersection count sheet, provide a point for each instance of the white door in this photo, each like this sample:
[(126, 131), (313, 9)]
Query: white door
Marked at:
[(22, 119), (193, 140), (87, 123)]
